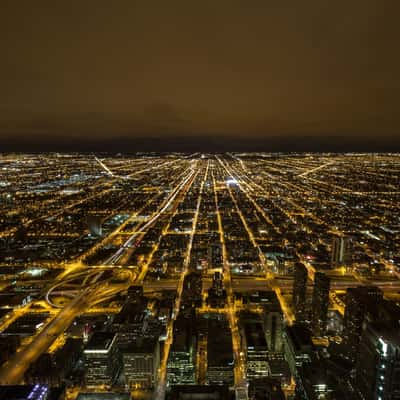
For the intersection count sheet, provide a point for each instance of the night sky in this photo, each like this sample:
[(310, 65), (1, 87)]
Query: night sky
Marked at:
[(255, 74)]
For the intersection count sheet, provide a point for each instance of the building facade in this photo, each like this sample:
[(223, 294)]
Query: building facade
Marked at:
[(299, 291), (102, 359), (320, 303)]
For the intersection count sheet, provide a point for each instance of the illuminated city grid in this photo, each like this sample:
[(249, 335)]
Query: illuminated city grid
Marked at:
[(111, 261)]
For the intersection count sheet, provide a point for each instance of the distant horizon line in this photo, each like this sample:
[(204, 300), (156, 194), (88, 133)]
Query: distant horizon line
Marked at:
[(197, 143)]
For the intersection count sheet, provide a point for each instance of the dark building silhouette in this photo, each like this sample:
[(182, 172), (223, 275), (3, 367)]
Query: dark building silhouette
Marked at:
[(359, 301), (272, 319), (299, 291), (320, 303), (219, 353), (298, 346), (53, 368), (378, 364), (324, 378)]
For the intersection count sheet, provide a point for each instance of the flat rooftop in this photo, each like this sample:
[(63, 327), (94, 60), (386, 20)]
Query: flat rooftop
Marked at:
[(100, 341), (255, 337)]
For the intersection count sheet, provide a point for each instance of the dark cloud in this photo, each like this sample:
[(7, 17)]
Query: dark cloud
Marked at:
[(233, 68)]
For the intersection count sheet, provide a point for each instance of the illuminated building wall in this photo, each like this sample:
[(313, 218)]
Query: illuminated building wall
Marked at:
[(141, 362)]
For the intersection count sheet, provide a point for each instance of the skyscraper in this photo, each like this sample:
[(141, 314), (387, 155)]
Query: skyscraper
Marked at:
[(181, 361), (341, 251), (378, 365), (358, 301), (102, 359), (299, 291), (256, 350), (219, 353), (141, 360), (273, 323), (320, 302), (272, 319), (298, 346)]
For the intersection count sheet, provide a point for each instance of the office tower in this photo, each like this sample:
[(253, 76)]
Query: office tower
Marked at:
[(141, 360), (341, 251), (359, 301), (299, 291), (298, 346), (273, 331), (320, 303), (102, 359), (378, 363), (181, 360), (273, 324), (219, 353), (256, 349)]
